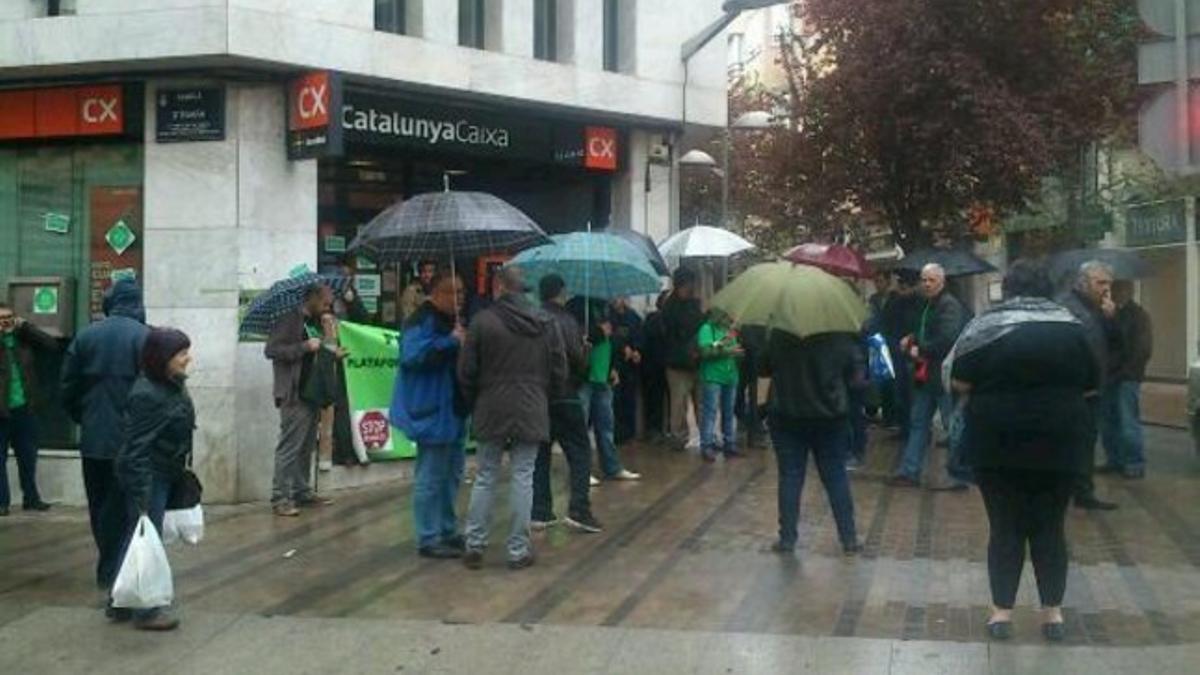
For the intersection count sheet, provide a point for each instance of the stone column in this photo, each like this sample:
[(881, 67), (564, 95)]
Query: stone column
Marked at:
[(220, 217)]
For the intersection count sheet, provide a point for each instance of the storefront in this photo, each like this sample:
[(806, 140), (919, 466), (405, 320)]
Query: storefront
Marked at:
[(71, 176), (1158, 232), (394, 146)]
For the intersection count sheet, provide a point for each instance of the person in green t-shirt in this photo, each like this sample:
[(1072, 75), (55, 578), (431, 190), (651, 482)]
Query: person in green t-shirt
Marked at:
[(719, 352), (18, 389), (597, 394)]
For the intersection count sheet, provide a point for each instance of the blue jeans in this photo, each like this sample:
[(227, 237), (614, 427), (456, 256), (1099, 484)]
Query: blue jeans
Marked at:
[(598, 413), (826, 441), (927, 399), (439, 472), (717, 398), (20, 430), (483, 494), (1121, 426)]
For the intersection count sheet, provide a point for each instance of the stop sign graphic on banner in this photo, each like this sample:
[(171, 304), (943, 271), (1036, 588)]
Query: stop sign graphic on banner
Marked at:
[(374, 430)]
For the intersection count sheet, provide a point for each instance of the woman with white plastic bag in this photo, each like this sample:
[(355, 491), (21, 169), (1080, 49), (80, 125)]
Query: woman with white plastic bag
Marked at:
[(159, 423)]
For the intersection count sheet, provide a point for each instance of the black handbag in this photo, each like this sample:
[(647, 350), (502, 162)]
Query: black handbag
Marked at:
[(321, 387), (186, 491)]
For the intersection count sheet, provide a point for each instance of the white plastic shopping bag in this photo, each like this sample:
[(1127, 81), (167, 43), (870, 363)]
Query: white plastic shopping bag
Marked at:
[(184, 524), (144, 581)]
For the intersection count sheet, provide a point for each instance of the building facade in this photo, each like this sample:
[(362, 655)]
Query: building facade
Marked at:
[(211, 146)]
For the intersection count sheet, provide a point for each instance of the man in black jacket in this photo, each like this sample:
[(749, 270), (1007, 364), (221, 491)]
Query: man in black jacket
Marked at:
[(1090, 301), (654, 371), (682, 316), (18, 398), (941, 321), (568, 425), (1122, 423), (101, 366), (513, 355), (627, 360), (808, 407)]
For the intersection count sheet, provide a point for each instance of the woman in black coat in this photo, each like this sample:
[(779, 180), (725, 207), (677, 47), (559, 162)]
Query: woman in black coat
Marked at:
[(1025, 367), (159, 423)]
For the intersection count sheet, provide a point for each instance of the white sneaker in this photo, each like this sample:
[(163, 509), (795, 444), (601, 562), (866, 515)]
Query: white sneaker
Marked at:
[(595, 482), (626, 474), (542, 525)]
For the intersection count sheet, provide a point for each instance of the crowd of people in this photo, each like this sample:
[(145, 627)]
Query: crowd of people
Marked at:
[(1023, 391)]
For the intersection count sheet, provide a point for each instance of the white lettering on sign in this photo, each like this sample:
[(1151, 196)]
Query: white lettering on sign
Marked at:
[(311, 102), (97, 110), (424, 129), (602, 147)]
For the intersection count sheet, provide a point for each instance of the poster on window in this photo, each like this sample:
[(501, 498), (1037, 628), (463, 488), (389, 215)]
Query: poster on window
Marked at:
[(115, 226)]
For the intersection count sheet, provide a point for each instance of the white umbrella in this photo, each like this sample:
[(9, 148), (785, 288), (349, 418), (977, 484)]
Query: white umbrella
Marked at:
[(702, 241)]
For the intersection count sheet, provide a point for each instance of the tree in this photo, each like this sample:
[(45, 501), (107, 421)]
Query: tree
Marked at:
[(924, 113)]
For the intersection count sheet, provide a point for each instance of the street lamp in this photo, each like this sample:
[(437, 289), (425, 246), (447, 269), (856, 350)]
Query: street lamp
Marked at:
[(732, 9)]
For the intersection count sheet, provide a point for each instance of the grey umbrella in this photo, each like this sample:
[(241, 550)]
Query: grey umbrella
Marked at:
[(450, 223), (957, 262), (1126, 264)]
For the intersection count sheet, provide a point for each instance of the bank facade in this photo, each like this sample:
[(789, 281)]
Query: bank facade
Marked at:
[(211, 146)]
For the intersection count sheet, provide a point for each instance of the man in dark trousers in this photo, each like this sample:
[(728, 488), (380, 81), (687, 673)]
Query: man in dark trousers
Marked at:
[(512, 356), (292, 347), (941, 322), (627, 360), (1091, 302), (654, 371), (100, 367), (568, 425), (19, 397), (900, 317), (1121, 428)]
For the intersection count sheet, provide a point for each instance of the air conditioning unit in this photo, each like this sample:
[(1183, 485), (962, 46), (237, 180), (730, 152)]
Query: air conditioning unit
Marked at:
[(659, 153)]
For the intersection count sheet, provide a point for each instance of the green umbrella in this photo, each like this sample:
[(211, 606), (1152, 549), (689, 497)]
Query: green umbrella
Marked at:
[(799, 299)]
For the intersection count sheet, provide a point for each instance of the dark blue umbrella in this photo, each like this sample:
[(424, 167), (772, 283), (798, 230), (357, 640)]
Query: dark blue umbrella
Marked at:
[(283, 297)]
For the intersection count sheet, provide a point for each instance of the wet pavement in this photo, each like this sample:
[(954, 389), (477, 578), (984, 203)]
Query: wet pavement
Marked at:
[(684, 557)]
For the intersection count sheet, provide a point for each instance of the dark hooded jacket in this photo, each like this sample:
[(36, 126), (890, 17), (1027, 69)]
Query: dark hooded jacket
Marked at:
[(1097, 328), (513, 355), (100, 367)]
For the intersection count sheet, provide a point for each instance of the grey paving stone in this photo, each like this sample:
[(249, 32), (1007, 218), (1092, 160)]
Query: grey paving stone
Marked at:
[(938, 658)]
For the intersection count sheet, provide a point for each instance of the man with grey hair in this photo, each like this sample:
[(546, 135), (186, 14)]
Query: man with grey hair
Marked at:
[(512, 356), (941, 321), (1090, 301)]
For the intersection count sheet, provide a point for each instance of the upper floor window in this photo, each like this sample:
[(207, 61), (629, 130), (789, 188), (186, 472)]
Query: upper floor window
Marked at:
[(612, 37), (545, 30), (471, 22), (390, 16)]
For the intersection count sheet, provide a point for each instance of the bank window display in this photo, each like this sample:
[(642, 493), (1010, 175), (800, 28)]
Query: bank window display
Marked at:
[(69, 212)]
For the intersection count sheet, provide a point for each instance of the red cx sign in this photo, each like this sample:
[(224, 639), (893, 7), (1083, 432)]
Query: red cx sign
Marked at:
[(308, 102), (600, 148), (62, 112)]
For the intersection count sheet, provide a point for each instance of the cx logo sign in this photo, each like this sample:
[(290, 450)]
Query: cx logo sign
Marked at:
[(309, 102), (600, 148), (100, 110)]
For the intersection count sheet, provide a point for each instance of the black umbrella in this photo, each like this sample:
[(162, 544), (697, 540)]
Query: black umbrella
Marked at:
[(441, 224), (957, 262), (1126, 264), (644, 244)]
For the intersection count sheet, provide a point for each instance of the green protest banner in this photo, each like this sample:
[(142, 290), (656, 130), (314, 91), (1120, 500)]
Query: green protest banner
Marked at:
[(370, 378)]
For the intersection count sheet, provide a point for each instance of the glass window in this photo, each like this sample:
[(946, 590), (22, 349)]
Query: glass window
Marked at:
[(545, 30), (390, 16), (471, 19), (612, 54)]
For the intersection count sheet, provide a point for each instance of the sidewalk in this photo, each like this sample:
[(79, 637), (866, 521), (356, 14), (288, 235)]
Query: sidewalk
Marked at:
[(54, 640)]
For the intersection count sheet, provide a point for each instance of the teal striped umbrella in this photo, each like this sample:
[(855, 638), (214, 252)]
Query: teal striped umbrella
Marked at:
[(594, 264)]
